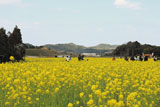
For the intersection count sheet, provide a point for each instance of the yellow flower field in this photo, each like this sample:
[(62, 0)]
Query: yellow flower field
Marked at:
[(100, 82)]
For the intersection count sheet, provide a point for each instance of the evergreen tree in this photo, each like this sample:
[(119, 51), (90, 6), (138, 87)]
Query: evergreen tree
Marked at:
[(16, 45), (4, 48), (15, 37)]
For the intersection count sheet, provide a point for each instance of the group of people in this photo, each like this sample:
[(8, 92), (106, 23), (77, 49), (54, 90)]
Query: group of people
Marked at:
[(80, 57), (156, 58), (132, 58), (140, 58), (137, 58)]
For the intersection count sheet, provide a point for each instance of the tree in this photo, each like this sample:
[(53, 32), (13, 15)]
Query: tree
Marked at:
[(16, 45), (135, 48), (129, 49), (4, 47), (15, 37)]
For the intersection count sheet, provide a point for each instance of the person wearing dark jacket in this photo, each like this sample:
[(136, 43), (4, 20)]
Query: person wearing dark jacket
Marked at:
[(79, 57), (126, 58), (132, 58), (146, 58), (140, 58)]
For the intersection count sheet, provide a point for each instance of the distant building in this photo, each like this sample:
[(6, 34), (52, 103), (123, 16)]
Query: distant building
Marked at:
[(90, 54), (60, 56), (109, 52)]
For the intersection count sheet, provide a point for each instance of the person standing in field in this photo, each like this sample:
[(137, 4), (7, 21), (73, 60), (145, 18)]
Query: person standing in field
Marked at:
[(79, 57), (113, 59), (126, 58), (70, 57), (132, 58), (140, 58), (154, 58), (82, 57), (146, 58), (67, 58)]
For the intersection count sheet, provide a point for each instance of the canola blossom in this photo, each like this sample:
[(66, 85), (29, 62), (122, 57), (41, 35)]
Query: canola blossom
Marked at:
[(99, 82)]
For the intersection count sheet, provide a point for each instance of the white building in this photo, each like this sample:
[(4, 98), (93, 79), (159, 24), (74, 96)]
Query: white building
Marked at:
[(90, 54)]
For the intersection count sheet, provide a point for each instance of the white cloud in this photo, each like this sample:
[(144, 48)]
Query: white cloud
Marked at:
[(60, 9), (17, 3), (127, 4), (9, 25), (36, 23), (100, 29), (6, 2)]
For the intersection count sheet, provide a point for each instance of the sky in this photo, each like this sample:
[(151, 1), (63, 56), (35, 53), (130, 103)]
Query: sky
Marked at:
[(83, 22)]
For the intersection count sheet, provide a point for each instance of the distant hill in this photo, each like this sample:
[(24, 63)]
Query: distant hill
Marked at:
[(39, 52), (128, 49), (43, 52), (104, 47), (30, 46), (71, 47)]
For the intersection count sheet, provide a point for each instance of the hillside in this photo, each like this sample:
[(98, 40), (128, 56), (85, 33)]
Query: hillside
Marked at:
[(42, 52), (66, 47), (104, 47), (71, 47)]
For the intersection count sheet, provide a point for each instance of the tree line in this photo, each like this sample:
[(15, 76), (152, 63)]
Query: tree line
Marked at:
[(11, 44), (135, 48)]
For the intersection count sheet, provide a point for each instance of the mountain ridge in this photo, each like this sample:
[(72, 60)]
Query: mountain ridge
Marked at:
[(71, 47), (104, 46), (78, 49)]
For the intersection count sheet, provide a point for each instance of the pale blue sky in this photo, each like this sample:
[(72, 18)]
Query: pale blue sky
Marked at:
[(84, 22)]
